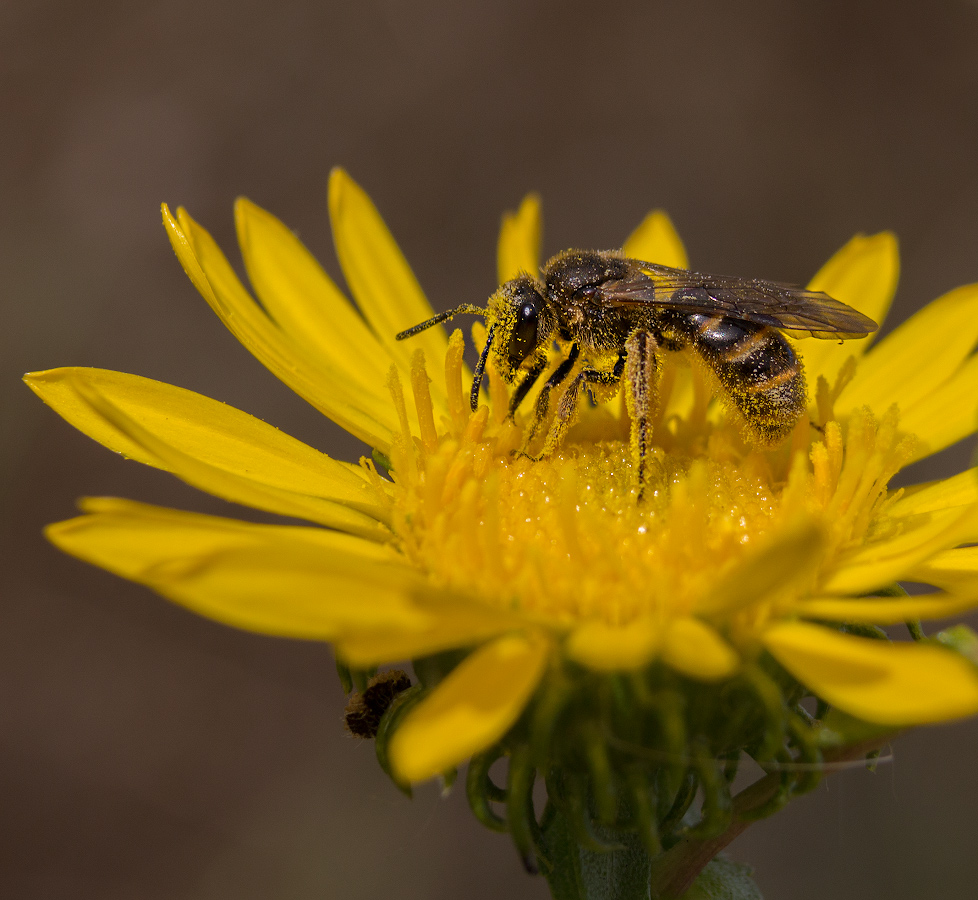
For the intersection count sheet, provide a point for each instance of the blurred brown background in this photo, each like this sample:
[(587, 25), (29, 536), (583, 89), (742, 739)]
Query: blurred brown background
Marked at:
[(147, 753)]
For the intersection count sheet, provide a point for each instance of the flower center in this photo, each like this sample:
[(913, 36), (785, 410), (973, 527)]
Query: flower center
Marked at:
[(566, 538)]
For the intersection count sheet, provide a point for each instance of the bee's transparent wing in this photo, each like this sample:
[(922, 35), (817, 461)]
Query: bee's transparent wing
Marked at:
[(753, 300)]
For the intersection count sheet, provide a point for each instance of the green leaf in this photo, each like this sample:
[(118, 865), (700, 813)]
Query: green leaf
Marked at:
[(723, 879)]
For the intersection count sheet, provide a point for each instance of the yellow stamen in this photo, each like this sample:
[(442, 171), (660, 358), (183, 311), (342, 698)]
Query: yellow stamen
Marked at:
[(457, 402), (422, 401), (564, 541)]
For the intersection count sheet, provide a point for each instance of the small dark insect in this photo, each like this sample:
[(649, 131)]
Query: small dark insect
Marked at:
[(364, 711), (613, 315)]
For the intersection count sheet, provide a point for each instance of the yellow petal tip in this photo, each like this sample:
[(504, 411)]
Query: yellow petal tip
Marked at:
[(243, 206), (38, 381), (339, 179), (169, 219), (656, 240)]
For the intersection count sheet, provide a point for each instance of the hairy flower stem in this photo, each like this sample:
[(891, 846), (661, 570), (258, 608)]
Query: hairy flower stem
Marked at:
[(674, 871), (615, 867)]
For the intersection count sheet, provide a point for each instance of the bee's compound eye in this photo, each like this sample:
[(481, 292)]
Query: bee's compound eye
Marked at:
[(524, 339)]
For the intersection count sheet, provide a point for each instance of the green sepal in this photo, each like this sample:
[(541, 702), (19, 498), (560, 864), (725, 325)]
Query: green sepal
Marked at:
[(804, 735), (431, 670), (860, 629), (361, 677), (891, 590), (520, 817), (898, 590), (668, 708), (672, 819), (480, 790), (381, 460), (961, 639), (552, 701), (916, 630), (403, 702), (771, 700), (642, 801), (569, 793), (717, 804), (603, 786), (448, 779), (346, 678), (838, 729)]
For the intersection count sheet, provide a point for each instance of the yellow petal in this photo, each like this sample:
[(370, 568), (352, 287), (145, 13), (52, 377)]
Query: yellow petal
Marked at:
[(242, 489), (695, 649), (917, 358), (461, 624), (889, 684), (519, 240), (887, 610), (325, 387), (947, 415), (955, 570), (883, 562), (279, 580), (471, 709), (688, 645), (657, 241), (786, 561), (611, 648), (212, 446), (863, 274), (958, 490), (305, 302), (682, 397), (380, 278)]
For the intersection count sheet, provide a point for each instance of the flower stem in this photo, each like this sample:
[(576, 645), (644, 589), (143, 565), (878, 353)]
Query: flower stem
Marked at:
[(582, 873)]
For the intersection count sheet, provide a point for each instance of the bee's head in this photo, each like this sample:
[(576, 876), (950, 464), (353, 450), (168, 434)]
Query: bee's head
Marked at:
[(522, 323)]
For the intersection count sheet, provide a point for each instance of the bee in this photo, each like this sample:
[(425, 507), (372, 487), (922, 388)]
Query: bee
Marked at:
[(612, 317)]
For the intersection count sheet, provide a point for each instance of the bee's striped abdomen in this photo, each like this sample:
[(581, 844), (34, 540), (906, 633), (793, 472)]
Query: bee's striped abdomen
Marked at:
[(757, 367)]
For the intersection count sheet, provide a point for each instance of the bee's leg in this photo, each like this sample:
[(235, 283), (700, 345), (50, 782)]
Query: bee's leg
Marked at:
[(543, 401), (640, 371), (603, 379), (523, 388), (568, 403)]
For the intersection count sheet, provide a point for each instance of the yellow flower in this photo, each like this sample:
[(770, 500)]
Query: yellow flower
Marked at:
[(736, 552)]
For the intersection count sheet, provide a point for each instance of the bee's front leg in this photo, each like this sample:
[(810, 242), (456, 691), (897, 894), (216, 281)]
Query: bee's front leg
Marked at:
[(566, 411), (523, 388), (640, 372), (543, 401)]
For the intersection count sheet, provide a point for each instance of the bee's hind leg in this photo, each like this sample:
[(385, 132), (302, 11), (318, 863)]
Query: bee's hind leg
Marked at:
[(640, 372)]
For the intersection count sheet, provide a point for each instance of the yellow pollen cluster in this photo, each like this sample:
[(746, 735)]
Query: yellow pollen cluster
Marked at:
[(564, 539)]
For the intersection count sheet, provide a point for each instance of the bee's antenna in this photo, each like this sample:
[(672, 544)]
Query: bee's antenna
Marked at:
[(441, 317), (479, 369)]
